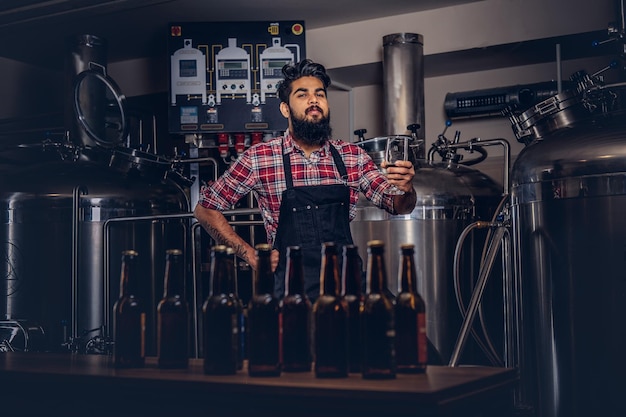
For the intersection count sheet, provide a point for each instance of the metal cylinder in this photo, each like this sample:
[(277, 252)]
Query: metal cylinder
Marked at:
[(449, 197), (568, 202), (83, 52), (403, 83), (53, 243)]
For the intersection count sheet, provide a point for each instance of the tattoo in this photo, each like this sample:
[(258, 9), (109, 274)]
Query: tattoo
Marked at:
[(239, 249)]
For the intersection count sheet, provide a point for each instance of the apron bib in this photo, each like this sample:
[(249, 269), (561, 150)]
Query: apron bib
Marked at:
[(310, 216)]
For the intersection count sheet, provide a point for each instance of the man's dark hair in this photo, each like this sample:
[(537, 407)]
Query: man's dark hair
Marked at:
[(304, 68)]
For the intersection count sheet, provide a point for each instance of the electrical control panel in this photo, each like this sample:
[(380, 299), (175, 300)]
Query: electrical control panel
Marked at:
[(223, 75)]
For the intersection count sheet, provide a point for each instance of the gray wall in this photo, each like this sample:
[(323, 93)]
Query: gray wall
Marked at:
[(27, 90)]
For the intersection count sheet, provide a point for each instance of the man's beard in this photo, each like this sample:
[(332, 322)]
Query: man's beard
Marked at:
[(311, 133)]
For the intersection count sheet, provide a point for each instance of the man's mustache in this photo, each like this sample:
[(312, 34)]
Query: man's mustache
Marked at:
[(310, 109)]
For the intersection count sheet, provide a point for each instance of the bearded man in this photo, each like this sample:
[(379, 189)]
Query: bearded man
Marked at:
[(306, 183)]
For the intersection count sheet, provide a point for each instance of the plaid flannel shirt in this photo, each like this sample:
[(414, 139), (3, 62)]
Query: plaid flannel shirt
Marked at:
[(260, 170)]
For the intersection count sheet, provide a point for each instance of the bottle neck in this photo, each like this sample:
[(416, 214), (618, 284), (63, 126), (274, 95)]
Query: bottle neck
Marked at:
[(264, 282), (351, 274), (408, 275), (128, 276), (174, 275), (329, 278), (218, 273), (376, 273), (230, 283), (295, 275)]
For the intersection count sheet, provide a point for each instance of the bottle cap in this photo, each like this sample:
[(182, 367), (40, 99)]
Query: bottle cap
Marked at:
[(219, 248), (261, 247)]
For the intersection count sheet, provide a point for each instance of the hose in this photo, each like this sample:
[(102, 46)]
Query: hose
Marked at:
[(488, 252), (483, 155)]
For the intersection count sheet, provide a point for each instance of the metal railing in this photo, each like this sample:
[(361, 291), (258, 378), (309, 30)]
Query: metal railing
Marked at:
[(190, 231)]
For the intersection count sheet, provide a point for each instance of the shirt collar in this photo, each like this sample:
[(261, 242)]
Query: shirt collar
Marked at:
[(290, 145)]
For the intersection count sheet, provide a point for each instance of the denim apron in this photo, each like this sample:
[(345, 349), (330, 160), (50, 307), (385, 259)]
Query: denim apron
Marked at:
[(309, 216)]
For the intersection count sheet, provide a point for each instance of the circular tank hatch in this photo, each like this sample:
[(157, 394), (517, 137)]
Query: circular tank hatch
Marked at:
[(100, 106)]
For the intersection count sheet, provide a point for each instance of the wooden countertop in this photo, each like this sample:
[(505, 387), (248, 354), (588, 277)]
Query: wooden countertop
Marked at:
[(70, 384)]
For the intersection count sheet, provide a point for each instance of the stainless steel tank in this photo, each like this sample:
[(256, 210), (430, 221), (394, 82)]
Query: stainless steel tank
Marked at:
[(53, 230), (449, 198), (61, 248), (568, 203)]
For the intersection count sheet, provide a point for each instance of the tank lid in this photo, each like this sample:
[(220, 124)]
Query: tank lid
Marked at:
[(104, 122), (582, 151), (397, 38)]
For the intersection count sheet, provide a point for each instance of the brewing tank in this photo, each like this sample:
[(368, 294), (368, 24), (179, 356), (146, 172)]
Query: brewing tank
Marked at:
[(449, 198), (54, 215), (568, 203)]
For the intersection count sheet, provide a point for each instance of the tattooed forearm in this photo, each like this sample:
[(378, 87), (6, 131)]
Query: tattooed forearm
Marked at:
[(240, 250), (222, 232)]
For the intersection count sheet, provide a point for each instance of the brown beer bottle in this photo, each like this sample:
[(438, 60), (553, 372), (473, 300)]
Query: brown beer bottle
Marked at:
[(295, 316), (410, 317), (352, 297), (330, 320), (220, 317), (263, 319), (129, 318), (234, 285), (377, 318), (173, 315)]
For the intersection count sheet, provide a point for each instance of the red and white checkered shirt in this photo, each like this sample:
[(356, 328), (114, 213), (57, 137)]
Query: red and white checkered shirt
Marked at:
[(260, 170)]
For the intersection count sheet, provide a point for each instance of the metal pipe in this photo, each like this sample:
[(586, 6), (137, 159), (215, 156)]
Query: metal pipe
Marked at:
[(193, 228), (477, 142), (196, 294), (106, 255), (76, 219), (559, 76), (487, 349), (195, 172), (154, 135), (511, 315), (622, 17), (476, 298), (403, 83), (489, 142), (501, 212)]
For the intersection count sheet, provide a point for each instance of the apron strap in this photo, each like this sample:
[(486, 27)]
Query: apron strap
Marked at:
[(341, 167), (287, 167)]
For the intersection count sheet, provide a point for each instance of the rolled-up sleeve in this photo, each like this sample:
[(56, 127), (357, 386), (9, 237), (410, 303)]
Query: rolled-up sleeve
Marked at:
[(228, 189)]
